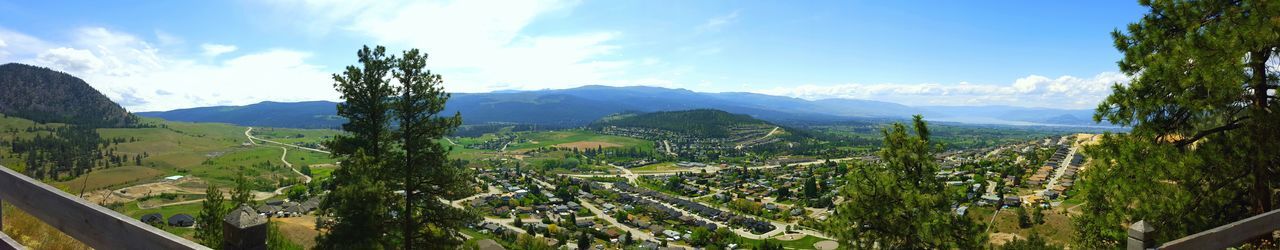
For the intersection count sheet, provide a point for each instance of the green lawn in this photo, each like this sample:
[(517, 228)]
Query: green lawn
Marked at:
[(131, 209)]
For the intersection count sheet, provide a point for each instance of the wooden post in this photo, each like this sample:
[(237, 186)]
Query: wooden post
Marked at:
[(1140, 234), (244, 229)]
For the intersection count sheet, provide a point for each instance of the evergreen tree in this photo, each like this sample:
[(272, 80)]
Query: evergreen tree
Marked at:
[(584, 241), (358, 208), (900, 204), (810, 188), (209, 222), (1201, 151), (426, 175), (360, 201), (1024, 221), (241, 194)]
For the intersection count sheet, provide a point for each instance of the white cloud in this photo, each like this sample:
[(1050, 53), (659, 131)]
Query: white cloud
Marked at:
[(212, 50), (715, 23), (1030, 91), (477, 45), (140, 77), (70, 59)]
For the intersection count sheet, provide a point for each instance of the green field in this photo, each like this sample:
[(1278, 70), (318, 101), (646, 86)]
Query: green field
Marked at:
[(657, 167), (552, 138), (293, 135)]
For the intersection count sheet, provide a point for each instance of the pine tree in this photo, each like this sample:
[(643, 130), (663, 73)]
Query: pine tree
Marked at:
[(1201, 151), (241, 194), (360, 201), (584, 241), (209, 222), (900, 203), (427, 175)]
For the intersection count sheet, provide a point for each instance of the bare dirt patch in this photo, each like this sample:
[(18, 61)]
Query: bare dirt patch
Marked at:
[(826, 245), (301, 230), (588, 145), (187, 185), (999, 239)]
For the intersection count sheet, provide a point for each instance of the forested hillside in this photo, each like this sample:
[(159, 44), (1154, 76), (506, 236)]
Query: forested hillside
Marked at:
[(44, 95), (698, 122)]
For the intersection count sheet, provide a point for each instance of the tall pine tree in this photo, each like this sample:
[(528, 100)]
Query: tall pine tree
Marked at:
[(1201, 152), (209, 222), (395, 176), (360, 201), (427, 175)]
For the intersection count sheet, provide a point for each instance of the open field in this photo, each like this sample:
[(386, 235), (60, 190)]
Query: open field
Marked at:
[(293, 135), (299, 157), (552, 138), (588, 145), (1056, 229), (301, 230), (658, 167), (112, 178)]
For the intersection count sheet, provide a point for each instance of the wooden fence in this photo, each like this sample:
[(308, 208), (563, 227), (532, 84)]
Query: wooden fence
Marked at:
[(94, 225), (1229, 235)]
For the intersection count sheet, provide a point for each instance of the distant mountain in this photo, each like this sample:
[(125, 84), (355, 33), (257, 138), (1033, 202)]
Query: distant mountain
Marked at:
[(581, 106), (1011, 115), (316, 114), (44, 95), (699, 122)]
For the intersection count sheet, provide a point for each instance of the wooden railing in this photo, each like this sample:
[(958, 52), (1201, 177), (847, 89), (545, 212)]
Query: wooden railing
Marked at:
[(1229, 235), (93, 225)]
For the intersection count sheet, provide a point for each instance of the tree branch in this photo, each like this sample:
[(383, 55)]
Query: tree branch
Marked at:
[(1234, 124)]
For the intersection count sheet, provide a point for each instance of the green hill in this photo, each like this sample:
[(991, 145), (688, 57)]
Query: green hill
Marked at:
[(44, 95), (698, 122)]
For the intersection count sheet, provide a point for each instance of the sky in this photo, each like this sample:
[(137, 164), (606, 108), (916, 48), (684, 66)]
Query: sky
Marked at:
[(163, 55)]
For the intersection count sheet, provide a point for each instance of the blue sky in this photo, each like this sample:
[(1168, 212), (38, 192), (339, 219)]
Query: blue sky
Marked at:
[(176, 54)]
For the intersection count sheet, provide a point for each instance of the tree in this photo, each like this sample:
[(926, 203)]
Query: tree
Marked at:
[(209, 222), (306, 170), (1033, 242), (810, 188), (428, 177), (700, 237), (629, 240), (241, 194), (1201, 149), (297, 193), (768, 244), (1037, 215), (900, 203), (584, 241), (1024, 221), (358, 208)]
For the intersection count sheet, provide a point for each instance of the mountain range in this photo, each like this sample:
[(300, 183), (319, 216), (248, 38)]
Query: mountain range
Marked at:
[(583, 105)]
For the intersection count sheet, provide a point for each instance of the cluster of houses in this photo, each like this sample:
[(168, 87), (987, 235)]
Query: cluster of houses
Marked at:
[(683, 144), (177, 220), (282, 209), (1046, 172), (705, 211), (496, 143)]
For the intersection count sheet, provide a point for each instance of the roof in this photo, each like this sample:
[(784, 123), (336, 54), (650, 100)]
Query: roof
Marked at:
[(244, 217)]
